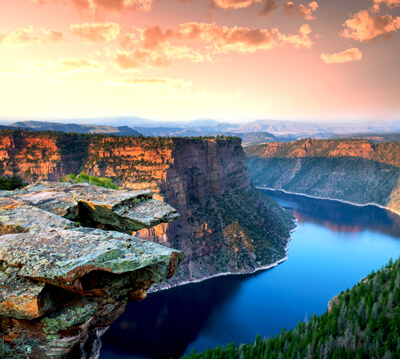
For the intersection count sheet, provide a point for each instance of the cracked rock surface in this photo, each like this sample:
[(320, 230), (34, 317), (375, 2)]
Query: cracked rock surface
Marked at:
[(62, 285)]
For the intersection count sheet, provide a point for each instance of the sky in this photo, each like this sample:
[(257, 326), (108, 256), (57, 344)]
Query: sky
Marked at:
[(230, 60)]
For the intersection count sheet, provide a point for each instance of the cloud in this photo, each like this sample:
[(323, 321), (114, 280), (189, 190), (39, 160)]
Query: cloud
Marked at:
[(301, 10), (242, 39), (364, 26), (235, 4), (389, 3), (10, 72), (152, 84), (298, 41), (28, 36), (153, 50), (267, 7), (71, 65), (158, 57), (96, 6), (96, 32), (125, 61), (152, 36), (348, 55)]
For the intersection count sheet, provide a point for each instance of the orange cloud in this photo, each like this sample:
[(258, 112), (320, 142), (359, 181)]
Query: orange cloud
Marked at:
[(96, 6), (96, 32), (24, 37), (152, 36), (301, 10), (71, 65), (155, 51), (235, 4), (389, 3), (364, 26), (298, 41), (124, 61), (267, 7), (157, 57), (348, 55), (152, 84), (242, 39)]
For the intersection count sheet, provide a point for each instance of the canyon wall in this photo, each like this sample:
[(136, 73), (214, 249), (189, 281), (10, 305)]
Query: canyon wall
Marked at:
[(352, 170), (226, 226)]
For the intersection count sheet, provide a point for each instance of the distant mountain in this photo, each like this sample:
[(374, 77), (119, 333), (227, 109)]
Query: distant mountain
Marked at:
[(255, 138), (376, 138), (317, 129), (81, 128), (283, 131)]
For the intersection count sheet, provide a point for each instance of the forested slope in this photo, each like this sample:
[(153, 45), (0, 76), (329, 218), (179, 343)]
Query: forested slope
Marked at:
[(363, 322)]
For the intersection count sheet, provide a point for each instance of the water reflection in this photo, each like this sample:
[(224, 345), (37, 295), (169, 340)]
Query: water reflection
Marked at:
[(171, 318), (335, 245), (339, 216)]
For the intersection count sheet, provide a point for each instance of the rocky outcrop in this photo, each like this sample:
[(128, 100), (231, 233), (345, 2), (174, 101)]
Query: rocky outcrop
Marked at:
[(352, 170), (226, 226), (61, 284)]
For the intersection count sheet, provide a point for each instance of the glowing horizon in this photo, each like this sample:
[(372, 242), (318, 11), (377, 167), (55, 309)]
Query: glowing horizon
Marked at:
[(229, 60)]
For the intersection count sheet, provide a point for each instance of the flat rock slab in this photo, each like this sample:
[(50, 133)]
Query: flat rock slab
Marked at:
[(122, 210), (150, 213), (18, 217), (60, 256)]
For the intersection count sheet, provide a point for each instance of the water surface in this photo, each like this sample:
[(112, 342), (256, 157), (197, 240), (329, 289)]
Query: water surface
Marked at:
[(334, 246)]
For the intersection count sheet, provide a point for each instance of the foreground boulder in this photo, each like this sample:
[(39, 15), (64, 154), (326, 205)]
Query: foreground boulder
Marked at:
[(62, 285)]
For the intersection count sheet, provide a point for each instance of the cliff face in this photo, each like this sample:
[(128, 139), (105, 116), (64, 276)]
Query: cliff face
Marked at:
[(225, 225), (353, 170), (41, 156)]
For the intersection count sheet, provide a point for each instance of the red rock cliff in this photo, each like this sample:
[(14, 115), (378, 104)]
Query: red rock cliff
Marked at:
[(225, 225)]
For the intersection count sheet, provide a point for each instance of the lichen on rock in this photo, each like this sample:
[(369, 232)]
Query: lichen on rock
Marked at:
[(62, 285)]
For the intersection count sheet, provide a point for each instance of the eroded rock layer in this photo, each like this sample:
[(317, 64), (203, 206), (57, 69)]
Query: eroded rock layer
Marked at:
[(62, 285), (225, 224), (352, 170)]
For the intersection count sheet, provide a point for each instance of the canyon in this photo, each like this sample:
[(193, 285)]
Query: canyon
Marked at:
[(352, 170), (225, 225)]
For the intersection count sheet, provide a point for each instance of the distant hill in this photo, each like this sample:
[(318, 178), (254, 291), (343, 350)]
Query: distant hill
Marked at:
[(256, 138), (77, 128), (262, 131), (279, 128), (319, 130), (375, 138)]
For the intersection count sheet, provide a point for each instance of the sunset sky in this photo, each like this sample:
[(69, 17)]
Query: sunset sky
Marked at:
[(230, 60)]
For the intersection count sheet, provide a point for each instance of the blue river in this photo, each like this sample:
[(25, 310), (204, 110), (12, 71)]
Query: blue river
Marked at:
[(334, 246)]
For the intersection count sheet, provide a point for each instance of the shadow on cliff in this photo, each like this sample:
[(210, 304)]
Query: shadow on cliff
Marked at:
[(339, 216), (353, 179), (165, 323)]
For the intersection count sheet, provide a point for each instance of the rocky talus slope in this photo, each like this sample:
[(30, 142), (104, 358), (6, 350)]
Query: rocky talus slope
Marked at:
[(353, 170), (61, 284), (225, 225)]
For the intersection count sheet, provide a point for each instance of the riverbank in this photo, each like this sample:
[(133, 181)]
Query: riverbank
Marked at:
[(263, 268), (331, 199)]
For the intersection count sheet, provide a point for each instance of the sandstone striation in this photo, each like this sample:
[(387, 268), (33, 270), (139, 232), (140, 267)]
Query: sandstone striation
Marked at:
[(226, 226), (353, 170), (62, 285)]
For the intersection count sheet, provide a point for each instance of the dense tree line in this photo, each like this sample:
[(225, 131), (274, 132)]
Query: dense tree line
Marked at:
[(11, 183), (363, 322)]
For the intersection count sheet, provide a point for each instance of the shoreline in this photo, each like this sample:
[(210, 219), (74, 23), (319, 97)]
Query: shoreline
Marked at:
[(269, 266), (330, 199)]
